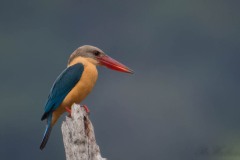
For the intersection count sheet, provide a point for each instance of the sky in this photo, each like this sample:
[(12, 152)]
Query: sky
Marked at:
[(181, 103)]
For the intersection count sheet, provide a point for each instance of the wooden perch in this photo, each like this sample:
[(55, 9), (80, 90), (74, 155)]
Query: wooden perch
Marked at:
[(78, 136)]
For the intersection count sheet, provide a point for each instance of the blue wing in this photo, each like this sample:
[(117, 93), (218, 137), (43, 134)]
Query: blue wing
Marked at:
[(62, 86)]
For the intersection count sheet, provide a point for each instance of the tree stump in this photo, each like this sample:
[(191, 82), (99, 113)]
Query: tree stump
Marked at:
[(78, 136)]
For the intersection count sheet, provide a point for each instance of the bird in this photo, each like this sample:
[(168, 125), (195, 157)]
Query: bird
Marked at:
[(75, 83)]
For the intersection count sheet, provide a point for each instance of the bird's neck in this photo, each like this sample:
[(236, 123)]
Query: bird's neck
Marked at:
[(84, 61)]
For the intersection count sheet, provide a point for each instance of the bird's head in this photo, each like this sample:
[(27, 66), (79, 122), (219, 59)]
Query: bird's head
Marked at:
[(97, 57)]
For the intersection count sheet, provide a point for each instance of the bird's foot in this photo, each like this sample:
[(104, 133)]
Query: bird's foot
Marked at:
[(69, 111), (86, 108)]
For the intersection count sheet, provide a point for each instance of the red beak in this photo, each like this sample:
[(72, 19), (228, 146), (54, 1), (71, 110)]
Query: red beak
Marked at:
[(113, 64)]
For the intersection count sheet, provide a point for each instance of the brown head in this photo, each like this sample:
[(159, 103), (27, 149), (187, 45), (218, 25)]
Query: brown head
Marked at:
[(97, 57)]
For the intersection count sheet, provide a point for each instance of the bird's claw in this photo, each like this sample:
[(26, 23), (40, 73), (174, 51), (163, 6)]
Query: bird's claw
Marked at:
[(69, 111), (86, 109)]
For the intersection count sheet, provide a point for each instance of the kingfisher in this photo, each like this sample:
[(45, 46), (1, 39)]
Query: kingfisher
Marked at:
[(75, 83)]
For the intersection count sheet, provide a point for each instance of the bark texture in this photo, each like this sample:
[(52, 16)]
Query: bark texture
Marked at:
[(78, 136)]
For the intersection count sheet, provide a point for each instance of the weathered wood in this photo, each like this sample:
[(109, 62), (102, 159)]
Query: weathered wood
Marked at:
[(78, 136)]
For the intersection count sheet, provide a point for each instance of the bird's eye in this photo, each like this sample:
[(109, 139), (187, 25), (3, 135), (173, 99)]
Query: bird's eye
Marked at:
[(96, 53)]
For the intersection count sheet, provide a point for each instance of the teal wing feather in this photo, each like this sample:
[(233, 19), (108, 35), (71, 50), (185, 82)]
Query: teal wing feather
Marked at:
[(61, 87)]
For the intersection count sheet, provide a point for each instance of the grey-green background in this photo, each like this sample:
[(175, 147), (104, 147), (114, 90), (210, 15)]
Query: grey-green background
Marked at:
[(182, 103)]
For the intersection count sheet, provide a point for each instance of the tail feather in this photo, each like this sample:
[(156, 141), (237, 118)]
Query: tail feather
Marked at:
[(45, 115), (47, 133)]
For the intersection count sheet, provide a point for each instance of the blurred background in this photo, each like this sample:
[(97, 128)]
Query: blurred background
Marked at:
[(181, 103)]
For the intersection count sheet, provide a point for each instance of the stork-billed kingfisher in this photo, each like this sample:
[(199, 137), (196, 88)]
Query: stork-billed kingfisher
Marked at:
[(75, 83)]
